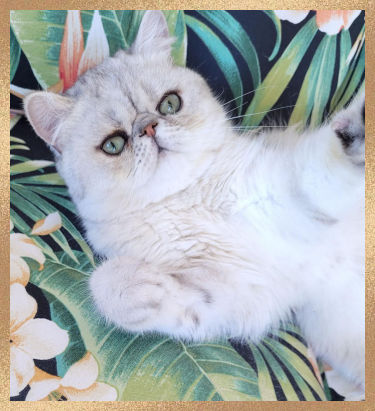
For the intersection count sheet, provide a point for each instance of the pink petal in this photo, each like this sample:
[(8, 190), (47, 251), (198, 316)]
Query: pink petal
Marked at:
[(71, 48), (81, 374), (330, 21), (97, 48), (22, 306), (21, 370), (99, 391), (41, 338), (294, 16)]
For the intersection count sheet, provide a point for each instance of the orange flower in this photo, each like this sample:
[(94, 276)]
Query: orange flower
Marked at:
[(74, 59), (328, 21), (97, 48), (71, 48)]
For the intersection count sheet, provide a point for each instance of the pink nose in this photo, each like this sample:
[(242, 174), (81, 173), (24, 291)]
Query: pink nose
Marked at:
[(150, 129)]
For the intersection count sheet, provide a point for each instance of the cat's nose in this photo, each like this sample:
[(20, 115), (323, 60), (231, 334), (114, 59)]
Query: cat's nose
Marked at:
[(150, 129)]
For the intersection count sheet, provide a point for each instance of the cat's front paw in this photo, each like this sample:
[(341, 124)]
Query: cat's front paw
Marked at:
[(349, 126), (126, 294)]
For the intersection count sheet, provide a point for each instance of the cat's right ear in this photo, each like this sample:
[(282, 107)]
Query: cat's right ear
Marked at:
[(153, 35), (45, 112)]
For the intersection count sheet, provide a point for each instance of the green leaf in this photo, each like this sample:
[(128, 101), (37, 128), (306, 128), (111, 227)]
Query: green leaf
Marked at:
[(324, 80), (67, 224), (345, 47), (45, 179), (147, 367), (36, 209), (30, 165), (266, 387), (282, 378), (355, 70), (177, 28), (23, 227), (315, 90), (296, 365), (280, 75), (354, 82), (221, 54), (17, 140), (15, 53), (19, 147), (235, 33), (14, 120), (113, 28), (277, 23), (76, 348), (40, 33)]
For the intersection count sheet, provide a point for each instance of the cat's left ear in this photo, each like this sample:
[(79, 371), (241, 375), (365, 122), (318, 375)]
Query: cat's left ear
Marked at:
[(153, 35), (46, 111)]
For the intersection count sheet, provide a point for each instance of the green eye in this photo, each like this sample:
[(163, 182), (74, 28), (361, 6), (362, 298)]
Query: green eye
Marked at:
[(170, 104), (113, 145)]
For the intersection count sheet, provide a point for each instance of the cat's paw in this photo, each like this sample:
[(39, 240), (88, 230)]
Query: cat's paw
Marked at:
[(349, 126), (127, 294)]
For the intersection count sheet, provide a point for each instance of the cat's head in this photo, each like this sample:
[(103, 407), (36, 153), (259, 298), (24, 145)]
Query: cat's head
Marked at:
[(134, 128)]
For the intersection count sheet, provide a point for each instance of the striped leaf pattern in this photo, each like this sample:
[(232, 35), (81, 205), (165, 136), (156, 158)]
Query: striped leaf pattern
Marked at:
[(324, 69)]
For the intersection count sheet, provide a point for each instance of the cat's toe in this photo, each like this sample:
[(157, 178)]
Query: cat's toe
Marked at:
[(124, 296), (349, 126)]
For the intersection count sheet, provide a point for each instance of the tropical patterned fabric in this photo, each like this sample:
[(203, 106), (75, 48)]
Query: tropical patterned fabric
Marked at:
[(296, 67)]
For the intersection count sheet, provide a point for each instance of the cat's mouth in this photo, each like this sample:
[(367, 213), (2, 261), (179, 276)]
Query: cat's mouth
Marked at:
[(160, 148)]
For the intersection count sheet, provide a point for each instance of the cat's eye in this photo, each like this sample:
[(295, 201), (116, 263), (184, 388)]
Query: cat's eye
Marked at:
[(169, 104), (113, 145)]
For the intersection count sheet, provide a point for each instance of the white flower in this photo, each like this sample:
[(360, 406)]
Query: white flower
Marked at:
[(329, 21), (97, 48), (22, 246), (78, 384), (47, 225), (30, 338)]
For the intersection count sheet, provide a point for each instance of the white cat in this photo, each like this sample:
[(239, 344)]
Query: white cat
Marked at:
[(208, 233)]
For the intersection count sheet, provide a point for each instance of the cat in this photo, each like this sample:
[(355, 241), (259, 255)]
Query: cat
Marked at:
[(208, 233)]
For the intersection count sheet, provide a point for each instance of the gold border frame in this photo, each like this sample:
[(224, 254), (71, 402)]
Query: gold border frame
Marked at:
[(368, 6)]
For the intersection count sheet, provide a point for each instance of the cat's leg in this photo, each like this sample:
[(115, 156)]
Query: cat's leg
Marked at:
[(349, 126), (329, 163), (192, 304), (333, 322)]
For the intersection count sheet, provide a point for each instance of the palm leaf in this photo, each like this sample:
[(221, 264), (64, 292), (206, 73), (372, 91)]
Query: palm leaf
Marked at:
[(148, 367), (23, 227), (15, 53), (280, 75), (315, 90), (221, 54), (235, 33), (350, 75), (277, 23)]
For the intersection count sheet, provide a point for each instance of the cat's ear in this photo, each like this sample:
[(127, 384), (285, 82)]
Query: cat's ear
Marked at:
[(153, 35), (45, 112)]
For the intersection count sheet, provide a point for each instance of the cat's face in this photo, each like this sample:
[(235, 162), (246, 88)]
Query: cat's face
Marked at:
[(135, 127)]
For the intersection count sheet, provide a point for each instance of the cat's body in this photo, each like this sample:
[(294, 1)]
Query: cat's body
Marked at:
[(212, 234)]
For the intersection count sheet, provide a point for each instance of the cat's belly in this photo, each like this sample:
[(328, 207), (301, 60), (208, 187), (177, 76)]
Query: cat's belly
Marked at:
[(257, 237)]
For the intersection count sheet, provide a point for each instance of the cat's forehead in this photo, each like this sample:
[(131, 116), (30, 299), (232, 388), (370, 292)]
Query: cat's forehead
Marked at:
[(123, 75)]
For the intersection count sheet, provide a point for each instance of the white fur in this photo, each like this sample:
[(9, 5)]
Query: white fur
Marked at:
[(219, 235)]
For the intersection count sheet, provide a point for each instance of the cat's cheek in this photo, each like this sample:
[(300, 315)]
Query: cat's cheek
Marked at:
[(145, 164)]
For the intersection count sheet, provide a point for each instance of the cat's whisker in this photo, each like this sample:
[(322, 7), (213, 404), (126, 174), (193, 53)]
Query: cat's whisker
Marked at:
[(261, 112), (249, 92), (246, 127)]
